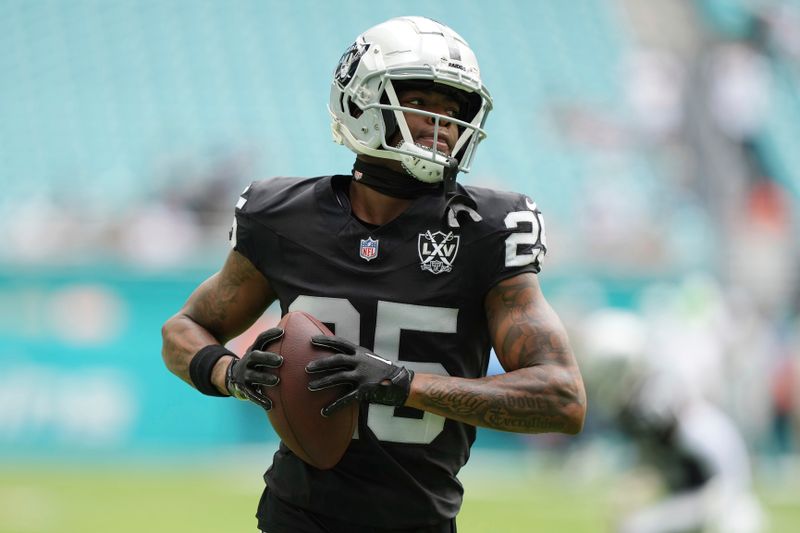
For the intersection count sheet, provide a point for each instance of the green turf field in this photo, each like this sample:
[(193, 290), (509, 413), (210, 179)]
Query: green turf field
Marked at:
[(170, 499)]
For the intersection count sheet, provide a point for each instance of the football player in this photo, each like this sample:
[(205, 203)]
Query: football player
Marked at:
[(699, 455), (401, 262)]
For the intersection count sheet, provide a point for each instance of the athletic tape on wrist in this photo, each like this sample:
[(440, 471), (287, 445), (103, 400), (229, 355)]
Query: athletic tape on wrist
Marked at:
[(202, 366)]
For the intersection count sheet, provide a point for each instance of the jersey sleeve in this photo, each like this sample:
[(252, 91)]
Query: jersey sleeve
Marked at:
[(248, 235), (517, 242)]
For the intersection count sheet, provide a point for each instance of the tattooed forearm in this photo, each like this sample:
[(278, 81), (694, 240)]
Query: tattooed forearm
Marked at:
[(455, 401), (219, 309), (533, 424), (542, 390), (515, 401)]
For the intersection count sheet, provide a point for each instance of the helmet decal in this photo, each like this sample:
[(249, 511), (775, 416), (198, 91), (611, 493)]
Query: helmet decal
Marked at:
[(349, 63)]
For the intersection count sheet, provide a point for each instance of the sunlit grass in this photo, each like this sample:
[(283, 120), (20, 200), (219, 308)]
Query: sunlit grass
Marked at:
[(503, 494)]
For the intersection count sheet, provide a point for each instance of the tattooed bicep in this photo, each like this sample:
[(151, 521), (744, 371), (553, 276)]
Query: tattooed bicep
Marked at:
[(232, 299), (524, 328)]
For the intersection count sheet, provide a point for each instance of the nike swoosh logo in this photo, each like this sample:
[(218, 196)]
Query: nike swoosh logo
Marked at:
[(531, 205)]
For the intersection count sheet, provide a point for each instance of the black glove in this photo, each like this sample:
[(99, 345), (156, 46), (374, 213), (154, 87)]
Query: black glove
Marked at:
[(245, 376), (373, 378)]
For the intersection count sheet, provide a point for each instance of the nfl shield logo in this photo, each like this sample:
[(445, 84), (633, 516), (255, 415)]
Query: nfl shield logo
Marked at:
[(369, 249), (437, 251)]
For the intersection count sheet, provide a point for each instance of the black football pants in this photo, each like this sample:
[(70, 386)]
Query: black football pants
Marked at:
[(283, 517)]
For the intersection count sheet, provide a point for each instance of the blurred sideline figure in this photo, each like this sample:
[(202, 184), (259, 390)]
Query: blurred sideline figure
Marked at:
[(697, 452)]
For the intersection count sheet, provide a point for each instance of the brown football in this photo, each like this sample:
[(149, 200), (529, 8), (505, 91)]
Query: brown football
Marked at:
[(296, 411)]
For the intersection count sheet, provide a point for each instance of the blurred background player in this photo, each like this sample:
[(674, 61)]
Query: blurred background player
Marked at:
[(695, 449)]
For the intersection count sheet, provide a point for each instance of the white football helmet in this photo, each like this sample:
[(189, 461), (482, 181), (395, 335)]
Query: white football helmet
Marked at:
[(364, 104)]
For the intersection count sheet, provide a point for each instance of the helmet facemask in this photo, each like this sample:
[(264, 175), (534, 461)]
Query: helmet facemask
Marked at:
[(420, 161)]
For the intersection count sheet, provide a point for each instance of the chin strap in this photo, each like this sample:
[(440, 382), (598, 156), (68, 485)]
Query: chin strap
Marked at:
[(391, 182), (455, 202), (400, 185)]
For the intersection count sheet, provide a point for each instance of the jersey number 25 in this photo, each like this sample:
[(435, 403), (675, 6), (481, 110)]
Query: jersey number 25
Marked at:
[(391, 319)]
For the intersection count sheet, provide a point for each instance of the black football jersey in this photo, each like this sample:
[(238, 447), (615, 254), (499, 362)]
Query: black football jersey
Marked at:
[(412, 290)]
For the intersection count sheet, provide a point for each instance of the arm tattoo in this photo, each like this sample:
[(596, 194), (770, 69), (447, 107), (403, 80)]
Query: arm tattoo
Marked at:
[(221, 297), (214, 307), (541, 392), (498, 403), (527, 331), (219, 309)]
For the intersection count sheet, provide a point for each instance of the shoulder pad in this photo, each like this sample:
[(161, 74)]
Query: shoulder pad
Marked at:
[(266, 196)]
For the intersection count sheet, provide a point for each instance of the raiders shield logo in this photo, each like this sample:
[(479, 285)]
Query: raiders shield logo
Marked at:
[(437, 251), (349, 62)]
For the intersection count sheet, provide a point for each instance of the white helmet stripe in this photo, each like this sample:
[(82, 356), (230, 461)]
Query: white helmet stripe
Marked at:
[(452, 46)]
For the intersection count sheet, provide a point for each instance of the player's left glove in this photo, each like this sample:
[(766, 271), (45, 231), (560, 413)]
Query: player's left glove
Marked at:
[(373, 378)]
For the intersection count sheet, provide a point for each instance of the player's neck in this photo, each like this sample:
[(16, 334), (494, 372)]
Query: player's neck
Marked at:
[(374, 207)]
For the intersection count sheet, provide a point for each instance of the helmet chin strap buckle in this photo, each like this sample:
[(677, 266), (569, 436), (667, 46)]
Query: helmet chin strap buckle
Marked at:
[(449, 176)]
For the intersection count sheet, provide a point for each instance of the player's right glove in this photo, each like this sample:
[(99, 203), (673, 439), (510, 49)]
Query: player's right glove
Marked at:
[(247, 375)]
